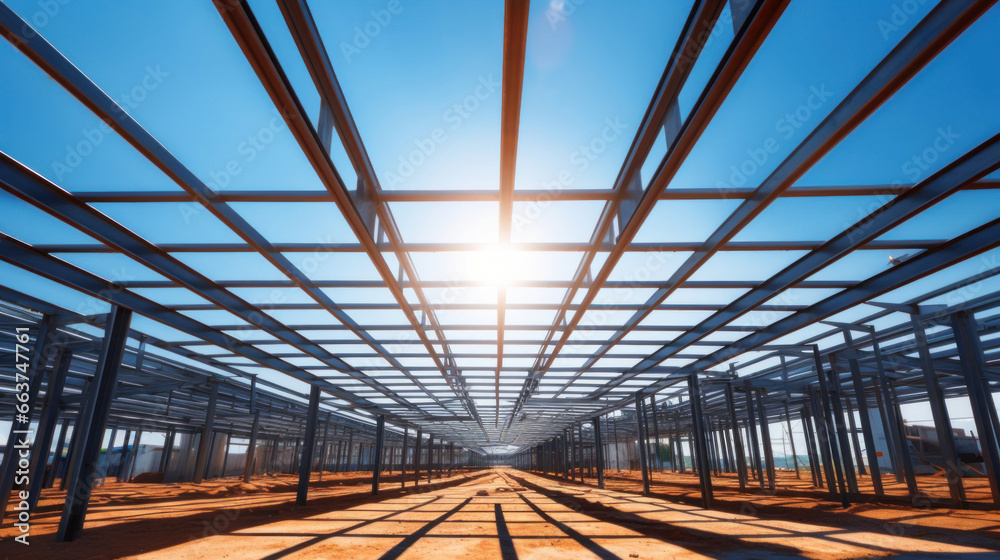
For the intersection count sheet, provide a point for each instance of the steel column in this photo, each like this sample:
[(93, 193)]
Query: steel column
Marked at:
[(984, 411), (698, 427), (47, 426), (379, 443), (641, 426), (91, 423), (305, 462), (206, 433)]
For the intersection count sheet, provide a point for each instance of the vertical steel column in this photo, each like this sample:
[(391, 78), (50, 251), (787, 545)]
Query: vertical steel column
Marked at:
[(939, 411), (47, 426), (970, 352), (852, 428), (308, 446), (866, 423), (349, 449), (322, 449), (91, 422), (726, 447), (791, 439), (416, 457), (225, 454), (206, 433), (379, 443), (167, 451), (33, 376), (765, 432), (599, 452), (124, 457), (827, 432), (838, 415), (741, 464), (680, 442), (831, 468), (895, 433), (752, 432), (815, 468), (248, 463), (451, 457), (403, 457), (57, 457), (656, 433), (564, 455), (643, 450), (788, 418), (572, 455), (698, 428), (430, 458)]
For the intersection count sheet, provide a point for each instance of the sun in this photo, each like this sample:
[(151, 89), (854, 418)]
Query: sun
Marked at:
[(494, 265)]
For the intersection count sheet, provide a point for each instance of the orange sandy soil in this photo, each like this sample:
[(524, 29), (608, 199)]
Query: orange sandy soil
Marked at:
[(499, 513)]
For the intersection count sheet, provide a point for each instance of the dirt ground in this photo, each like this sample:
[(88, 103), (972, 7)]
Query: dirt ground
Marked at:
[(500, 513)]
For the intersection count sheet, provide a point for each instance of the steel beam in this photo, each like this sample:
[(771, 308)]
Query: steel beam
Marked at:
[(207, 431), (699, 442), (963, 324), (379, 444), (90, 425), (641, 442)]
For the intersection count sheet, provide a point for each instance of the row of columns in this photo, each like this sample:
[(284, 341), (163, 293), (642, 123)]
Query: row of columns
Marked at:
[(741, 442), (85, 464)]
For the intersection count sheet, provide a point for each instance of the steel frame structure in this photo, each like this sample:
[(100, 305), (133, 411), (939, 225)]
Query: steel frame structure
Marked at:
[(534, 409)]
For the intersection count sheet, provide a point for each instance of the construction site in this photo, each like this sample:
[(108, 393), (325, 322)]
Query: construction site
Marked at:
[(698, 279)]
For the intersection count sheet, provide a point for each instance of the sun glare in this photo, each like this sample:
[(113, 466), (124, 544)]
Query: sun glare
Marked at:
[(493, 265)]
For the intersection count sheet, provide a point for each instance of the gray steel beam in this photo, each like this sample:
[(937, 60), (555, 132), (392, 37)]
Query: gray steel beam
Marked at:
[(90, 426), (18, 440), (308, 447), (379, 444), (834, 391), (740, 455), (752, 432), (699, 442), (640, 419), (207, 431), (984, 411), (765, 432), (251, 454), (866, 423)]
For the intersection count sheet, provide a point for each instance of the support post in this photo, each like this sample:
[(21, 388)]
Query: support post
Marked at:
[(305, 463), (248, 464), (379, 443), (866, 424), (656, 433), (416, 459), (827, 431), (984, 410), (740, 458), (641, 443), (47, 426), (206, 433), (599, 451), (752, 430), (402, 459), (33, 375), (430, 458), (765, 432), (91, 422), (698, 427)]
